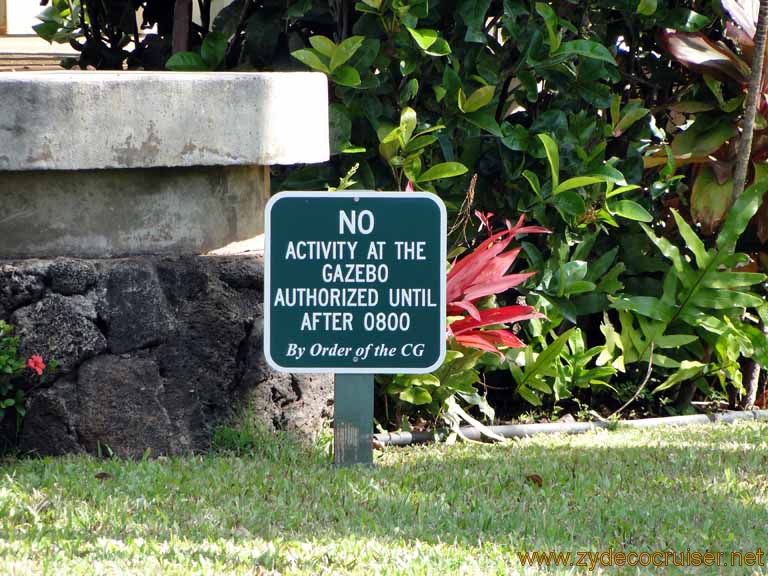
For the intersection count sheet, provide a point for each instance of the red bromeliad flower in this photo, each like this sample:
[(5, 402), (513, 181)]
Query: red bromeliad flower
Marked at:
[(483, 273), (36, 364)]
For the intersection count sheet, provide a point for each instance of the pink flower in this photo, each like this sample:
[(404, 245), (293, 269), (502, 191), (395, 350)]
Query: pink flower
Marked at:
[(36, 364)]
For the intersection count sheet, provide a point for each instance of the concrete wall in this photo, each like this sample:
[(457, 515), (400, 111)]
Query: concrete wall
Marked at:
[(107, 213), (21, 15), (103, 164)]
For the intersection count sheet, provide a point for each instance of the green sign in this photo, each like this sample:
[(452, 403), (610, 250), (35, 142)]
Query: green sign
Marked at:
[(355, 282)]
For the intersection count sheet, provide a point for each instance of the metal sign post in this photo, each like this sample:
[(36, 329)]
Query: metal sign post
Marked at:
[(354, 285), (353, 419)]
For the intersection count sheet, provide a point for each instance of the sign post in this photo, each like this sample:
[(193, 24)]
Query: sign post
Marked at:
[(354, 285)]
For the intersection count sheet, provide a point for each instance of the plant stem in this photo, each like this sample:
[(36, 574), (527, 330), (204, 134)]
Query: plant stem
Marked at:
[(754, 93), (753, 97)]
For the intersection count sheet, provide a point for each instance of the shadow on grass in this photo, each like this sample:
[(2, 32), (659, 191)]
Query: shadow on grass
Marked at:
[(680, 491)]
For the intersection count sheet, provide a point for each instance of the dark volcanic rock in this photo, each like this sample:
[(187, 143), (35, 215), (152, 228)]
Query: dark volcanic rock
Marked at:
[(50, 427), (120, 405), (280, 401), (70, 276), (182, 355), (21, 284), (135, 308), (58, 327), (242, 272)]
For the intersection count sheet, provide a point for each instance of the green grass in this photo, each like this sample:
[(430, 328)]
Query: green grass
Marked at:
[(463, 509)]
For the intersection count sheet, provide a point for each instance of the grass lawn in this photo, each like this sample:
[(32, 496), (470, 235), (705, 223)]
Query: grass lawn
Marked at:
[(463, 509)]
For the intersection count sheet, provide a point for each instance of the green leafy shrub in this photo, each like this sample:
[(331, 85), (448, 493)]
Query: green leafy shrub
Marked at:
[(12, 369), (557, 110), (476, 327)]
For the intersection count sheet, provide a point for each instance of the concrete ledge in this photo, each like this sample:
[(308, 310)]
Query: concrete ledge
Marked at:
[(94, 120), (107, 213)]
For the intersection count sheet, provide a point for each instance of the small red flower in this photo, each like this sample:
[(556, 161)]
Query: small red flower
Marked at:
[(36, 364)]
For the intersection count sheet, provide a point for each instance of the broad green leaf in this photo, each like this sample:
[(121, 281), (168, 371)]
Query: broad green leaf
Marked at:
[(645, 305), (661, 361), (686, 20), (611, 174), (443, 170), (600, 267), (407, 123), (439, 48), (631, 210), (579, 287), (587, 49), (424, 37), (688, 369), (311, 59), (742, 211), (533, 180), (716, 87), (733, 279), (186, 62), (416, 396), (702, 138), (550, 148), (419, 142), (340, 127), (540, 385), (345, 51), (692, 241), (573, 270), (461, 381), (545, 359), (570, 203), (630, 117), (610, 283), (213, 49), (324, 45), (409, 91), (550, 22), (429, 130), (529, 395), (674, 340), (725, 299), (47, 31), (461, 99), (646, 7), (578, 182), (473, 13), (516, 138), (615, 109), (346, 76), (669, 291), (451, 355), (696, 318), (479, 98), (429, 380), (485, 121), (666, 248)]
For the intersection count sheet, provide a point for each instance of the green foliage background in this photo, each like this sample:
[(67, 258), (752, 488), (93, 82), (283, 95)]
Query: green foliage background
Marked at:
[(553, 106)]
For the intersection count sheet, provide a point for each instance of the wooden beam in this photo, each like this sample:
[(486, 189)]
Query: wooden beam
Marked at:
[(3, 18), (182, 17)]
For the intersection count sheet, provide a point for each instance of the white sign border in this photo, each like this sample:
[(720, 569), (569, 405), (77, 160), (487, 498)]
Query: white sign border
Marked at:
[(268, 292)]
